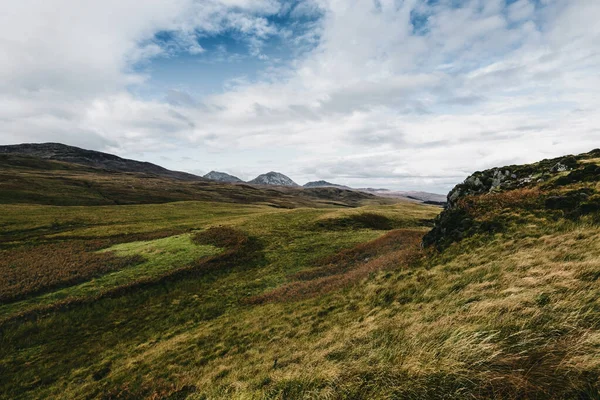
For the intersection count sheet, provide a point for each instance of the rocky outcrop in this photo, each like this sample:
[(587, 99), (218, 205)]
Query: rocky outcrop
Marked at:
[(510, 177), (556, 184)]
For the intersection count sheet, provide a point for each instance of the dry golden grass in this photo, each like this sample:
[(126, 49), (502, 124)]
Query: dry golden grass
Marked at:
[(514, 319), (307, 311), (591, 161)]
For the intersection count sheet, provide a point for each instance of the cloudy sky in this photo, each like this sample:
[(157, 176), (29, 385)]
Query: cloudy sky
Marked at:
[(405, 94)]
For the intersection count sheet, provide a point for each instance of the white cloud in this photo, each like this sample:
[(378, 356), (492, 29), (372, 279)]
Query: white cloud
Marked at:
[(520, 10), (376, 100)]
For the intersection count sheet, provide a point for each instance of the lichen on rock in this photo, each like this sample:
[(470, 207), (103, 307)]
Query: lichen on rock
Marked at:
[(455, 223)]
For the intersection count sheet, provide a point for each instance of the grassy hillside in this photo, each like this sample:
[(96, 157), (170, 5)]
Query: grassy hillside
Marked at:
[(31, 180), (112, 278), (200, 300)]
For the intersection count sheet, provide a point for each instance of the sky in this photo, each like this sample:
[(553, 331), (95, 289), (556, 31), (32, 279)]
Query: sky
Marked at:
[(401, 94)]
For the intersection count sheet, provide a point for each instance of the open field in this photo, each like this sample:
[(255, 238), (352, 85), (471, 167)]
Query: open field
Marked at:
[(204, 300), (300, 200), (315, 308), (166, 277)]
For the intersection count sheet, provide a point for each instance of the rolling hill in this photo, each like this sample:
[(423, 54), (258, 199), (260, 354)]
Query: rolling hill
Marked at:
[(323, 184), (63, 175), (496, 296), (95, 159)]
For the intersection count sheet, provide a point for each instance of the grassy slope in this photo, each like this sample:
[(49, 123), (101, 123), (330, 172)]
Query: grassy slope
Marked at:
[(508, 312), (29, 180), (38, 357)]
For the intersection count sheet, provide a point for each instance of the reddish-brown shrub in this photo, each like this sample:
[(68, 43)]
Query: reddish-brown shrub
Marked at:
[(399, 248), (246, 252), (365, 220), (28, 270), (522, 198), (221, 236), (393, 240)]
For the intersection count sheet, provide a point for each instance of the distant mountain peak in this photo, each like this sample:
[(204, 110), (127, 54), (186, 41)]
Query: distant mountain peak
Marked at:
[(273, 178), (423, 197), (222, 177), (323, 183)]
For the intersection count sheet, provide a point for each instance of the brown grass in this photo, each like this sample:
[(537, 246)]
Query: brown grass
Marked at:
[(364, 220), (242, 250), (30, 270), (398, 248), (55, 263), (221, 236), (523, 198)]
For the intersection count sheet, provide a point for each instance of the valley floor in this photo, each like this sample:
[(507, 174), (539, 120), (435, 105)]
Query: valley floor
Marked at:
[(198, 300)]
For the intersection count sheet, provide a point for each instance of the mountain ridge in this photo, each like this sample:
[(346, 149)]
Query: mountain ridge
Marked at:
[(92, 158), (420, 196), (322, 183), (28, 178), (95, 159)]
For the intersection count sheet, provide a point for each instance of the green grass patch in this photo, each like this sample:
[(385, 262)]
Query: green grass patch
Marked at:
[(160, 256)]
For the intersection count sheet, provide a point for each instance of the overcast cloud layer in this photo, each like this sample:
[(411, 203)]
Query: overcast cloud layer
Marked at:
[(402, 94)]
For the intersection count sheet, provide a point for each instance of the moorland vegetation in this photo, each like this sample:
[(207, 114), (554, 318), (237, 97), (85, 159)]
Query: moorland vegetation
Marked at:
[(299, 297)]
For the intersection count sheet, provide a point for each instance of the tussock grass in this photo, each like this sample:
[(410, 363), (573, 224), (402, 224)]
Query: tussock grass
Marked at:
[(397, 248), (366, 220), (502, 317), (287, 311), (221, 236), (180, 284)]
